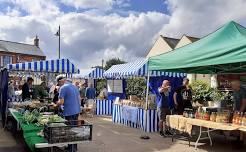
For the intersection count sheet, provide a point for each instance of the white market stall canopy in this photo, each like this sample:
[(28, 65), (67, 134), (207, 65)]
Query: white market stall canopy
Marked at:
[(138, 68), (49, 66), (94, 73)]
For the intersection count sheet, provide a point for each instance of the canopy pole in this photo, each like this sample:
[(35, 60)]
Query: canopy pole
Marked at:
[(145, 110), (147, 91), (146, 100)]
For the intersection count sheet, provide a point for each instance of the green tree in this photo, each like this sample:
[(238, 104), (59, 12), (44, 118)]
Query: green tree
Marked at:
[(113, 61)]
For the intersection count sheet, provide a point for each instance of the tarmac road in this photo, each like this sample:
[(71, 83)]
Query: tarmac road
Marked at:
[(109, 137)]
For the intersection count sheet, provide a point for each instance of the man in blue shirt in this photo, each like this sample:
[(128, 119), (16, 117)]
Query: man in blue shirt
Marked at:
[(90, 92), (69, 97), (163, 107)]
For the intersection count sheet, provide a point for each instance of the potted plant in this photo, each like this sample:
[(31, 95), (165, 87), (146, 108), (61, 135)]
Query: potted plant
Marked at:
[(201, 92), (218, 96)]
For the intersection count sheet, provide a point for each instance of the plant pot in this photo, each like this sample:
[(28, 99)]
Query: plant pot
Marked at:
[(217, 104)]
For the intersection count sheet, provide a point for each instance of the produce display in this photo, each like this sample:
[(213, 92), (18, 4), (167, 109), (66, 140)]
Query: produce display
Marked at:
[(188, 113), (29, 117), (239, 118), (134, 101), (45, 119), (30, 105), (224, 116)]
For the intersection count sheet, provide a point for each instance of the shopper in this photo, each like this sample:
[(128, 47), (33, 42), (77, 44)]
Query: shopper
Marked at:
[(27, 89), (77, 84), (239, 96), (163, 107), (182, 97), (11, 89), (82, 90), (90, 94), (40, 91), (69, 97)]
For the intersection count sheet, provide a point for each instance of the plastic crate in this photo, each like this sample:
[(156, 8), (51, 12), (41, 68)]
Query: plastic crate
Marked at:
[(68, 131)]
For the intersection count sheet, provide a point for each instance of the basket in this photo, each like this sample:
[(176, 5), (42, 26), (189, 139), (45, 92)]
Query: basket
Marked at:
[(68, 131)]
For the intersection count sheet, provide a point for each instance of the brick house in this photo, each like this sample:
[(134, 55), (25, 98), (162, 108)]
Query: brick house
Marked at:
[(15, 52)]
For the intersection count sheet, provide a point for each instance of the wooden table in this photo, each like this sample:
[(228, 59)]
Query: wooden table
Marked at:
[(183, 124)]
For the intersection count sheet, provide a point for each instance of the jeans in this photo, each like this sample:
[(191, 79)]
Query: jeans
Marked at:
[(72, 118)]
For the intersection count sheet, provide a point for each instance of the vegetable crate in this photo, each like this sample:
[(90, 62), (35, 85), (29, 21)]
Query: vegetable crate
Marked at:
[(68, 131)]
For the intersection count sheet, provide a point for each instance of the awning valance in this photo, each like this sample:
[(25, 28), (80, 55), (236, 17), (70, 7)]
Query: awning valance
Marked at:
[(50, 66), (95, 73), (138, 68)]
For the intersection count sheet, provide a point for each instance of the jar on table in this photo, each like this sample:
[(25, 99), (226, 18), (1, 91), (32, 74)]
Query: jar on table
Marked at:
[(240, 121), (206, 116), (213, 117), (218, 117), (244, 120), (237, 117), (184, 113), (191, 115)]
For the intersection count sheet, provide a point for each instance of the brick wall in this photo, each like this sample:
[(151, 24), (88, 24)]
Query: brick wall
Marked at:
[(17, 58)]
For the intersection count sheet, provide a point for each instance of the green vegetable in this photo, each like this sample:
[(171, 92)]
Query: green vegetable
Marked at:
[(42, 120), (29, 117)]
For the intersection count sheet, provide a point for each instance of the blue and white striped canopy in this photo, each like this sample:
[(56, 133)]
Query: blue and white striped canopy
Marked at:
[(138, 68), (95, 73), (51, 66)]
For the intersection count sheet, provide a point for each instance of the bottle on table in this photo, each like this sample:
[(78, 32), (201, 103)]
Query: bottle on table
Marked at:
[(244, 120)]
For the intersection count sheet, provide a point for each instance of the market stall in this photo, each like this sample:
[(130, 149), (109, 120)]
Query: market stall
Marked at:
[(47, 69), (136, 112), (34, 117), (103, 106), (221, 52)]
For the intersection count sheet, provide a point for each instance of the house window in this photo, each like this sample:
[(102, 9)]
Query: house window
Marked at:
[(6, 60)]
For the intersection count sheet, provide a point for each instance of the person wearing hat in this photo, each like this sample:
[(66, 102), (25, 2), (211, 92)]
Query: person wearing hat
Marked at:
[(182, 97), (69, 98), (60, 83), (40, 91), (27, 89)]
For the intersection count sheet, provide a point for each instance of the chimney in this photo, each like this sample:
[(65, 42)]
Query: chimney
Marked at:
[(36, 41)]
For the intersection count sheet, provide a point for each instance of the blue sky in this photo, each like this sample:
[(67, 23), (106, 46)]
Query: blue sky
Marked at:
[(148, 5), (132, 5)]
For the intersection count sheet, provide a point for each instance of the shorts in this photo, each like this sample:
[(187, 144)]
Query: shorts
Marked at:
[(162, 113)]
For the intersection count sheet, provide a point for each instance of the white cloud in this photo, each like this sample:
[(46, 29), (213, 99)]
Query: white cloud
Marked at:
[(86, 37), (97, 4), (93, 37), (89, 36), (200, 17), (85, 4)]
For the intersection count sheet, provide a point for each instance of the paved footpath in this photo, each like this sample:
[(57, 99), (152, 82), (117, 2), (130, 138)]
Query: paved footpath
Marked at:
[(109, 137)]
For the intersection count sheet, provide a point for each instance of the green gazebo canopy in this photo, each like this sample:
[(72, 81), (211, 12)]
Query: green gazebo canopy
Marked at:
[(223, 51)]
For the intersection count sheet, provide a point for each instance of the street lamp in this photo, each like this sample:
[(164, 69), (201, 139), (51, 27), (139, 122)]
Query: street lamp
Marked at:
[(58, 33)]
